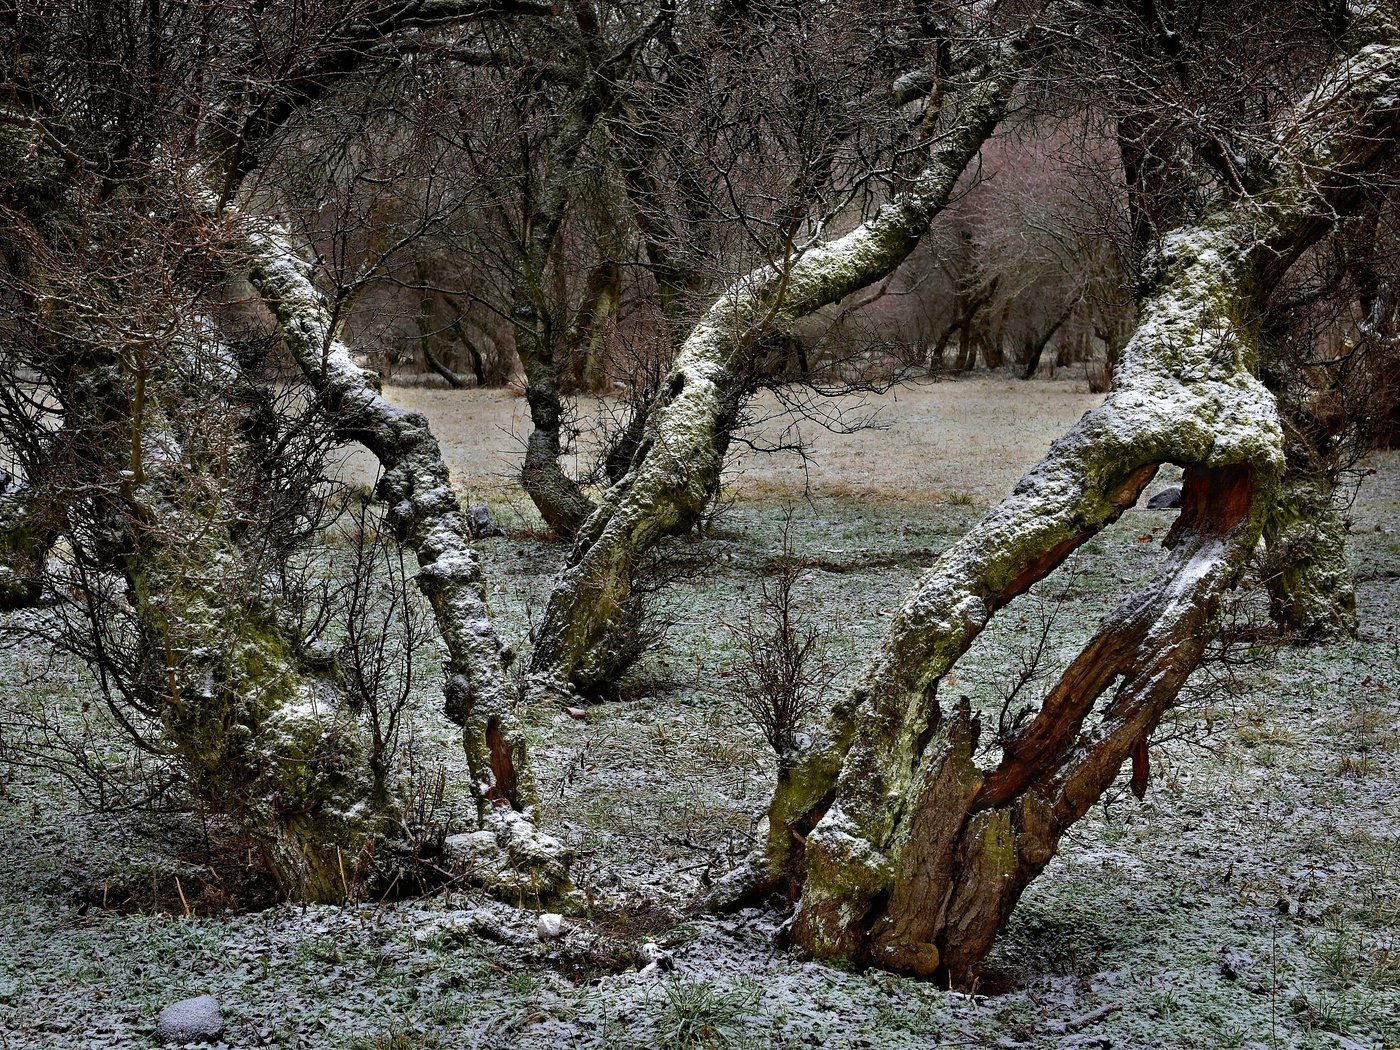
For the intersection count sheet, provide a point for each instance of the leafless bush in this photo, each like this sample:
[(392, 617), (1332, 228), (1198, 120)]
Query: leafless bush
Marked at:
[(779, 676), (384, 629)]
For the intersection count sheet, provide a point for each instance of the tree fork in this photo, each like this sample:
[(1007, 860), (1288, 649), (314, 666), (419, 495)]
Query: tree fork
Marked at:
[(916, 855)]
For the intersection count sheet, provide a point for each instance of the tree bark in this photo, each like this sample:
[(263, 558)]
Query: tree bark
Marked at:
[(425, 511), (265, 740), (25, 541), (428, 518), (1035, 348), (902, 850), (583, 639), (1311, 592)]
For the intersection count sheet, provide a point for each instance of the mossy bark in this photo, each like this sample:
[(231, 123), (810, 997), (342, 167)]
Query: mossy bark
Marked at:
[(1311, 593), (675, 471), (264, 739), (902, 850), (423, 508)]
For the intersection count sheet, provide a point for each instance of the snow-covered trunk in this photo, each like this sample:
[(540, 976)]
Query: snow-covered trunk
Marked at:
[(675, 472), (901, 849), (426, 513)]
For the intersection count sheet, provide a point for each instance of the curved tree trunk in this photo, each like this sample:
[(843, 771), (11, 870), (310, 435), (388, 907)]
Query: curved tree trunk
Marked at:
[(558, 497), (906, 853), (423, 508), (1035, 348), (583, 641)]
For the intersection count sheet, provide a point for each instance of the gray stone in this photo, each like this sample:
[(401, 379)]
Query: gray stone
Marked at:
[(197, 1020), (1167, 499)]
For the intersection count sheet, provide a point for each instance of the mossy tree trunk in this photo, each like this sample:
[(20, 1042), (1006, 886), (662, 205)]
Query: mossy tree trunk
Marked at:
[(902, 849), (1310, 586), (584, 640), (265, 739), (423, 507)]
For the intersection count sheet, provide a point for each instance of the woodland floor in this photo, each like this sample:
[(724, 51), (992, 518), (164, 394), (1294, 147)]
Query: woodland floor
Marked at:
[(1251, 900)]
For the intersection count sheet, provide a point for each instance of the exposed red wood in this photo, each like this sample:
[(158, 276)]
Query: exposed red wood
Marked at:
[(1142, 769)]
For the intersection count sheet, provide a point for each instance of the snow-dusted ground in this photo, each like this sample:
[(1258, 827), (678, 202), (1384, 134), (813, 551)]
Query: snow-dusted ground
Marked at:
[(1252, 900)]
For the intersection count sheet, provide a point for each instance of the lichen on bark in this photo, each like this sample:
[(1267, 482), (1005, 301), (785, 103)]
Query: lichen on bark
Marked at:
[(890, 778), (675, 471)]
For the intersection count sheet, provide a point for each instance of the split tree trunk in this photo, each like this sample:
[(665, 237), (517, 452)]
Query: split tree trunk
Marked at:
[(902, 850), (583, 641)]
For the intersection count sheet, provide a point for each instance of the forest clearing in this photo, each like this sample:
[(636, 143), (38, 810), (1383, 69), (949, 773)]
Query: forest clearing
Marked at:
[(1248, 901), (736, 523)]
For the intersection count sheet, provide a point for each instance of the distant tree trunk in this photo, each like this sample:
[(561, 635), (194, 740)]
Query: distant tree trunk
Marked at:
[(426, 301), (25, 541), (453, 380), (1035, 347), (904, 852), (676, 470), (459, 330)]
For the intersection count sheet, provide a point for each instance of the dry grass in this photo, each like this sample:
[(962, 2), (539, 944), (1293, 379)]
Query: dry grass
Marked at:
[(959, 442)]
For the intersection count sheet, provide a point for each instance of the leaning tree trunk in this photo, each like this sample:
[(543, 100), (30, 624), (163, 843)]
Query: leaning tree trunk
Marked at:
[(428, 518), (584, 640), (903, 851), (423, 509)]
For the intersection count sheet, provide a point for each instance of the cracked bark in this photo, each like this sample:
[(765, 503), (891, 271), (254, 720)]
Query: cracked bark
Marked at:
[(903, 851)]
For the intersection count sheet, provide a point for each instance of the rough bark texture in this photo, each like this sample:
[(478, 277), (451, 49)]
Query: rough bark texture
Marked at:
[(425, 511), (429, 519), (906, 853), (264, 738), (1311, 592), (583, 639)]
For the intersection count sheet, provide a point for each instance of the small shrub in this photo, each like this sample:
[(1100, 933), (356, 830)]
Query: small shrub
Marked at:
[(778, 677)]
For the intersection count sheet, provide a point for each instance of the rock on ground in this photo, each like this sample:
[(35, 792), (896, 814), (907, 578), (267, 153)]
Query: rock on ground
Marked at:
[(197, 1020), (1167, 499)]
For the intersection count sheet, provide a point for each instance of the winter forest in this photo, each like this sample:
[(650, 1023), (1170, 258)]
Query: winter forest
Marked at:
[(696, 524)]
